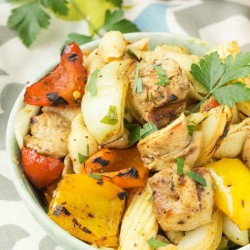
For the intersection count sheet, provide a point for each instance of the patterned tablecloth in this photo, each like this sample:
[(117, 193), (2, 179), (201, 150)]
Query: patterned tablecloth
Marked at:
[(216, 21)]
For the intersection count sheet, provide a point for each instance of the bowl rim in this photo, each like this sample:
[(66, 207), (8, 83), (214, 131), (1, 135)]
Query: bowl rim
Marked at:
[(59, 235)]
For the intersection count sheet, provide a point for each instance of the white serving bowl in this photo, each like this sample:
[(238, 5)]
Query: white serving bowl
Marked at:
[(25, 189)]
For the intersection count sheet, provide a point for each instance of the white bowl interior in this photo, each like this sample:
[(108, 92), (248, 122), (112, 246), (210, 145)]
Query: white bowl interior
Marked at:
[(24, 188)]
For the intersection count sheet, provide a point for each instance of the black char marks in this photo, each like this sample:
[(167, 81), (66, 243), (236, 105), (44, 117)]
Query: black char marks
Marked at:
[(132, 172), (86, 230), (61, 210), (72, 57), (122, 195), (101, 161), (55, 99)]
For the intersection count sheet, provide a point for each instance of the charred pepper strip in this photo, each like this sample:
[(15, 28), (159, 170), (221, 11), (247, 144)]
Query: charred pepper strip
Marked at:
[(64, 85)]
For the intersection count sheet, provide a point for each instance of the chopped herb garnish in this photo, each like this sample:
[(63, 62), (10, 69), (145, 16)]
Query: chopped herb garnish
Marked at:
[(150, 198), (111, 118), (91, 86), (180, 165), (190, 129), (151, 97), (134, 132), (87, 150), (95, 176), (196, 177), (82, 158), (122, 195), (138, 81), (147, 129), (153, 242), (162, 75), (213, 74), (134, 135)]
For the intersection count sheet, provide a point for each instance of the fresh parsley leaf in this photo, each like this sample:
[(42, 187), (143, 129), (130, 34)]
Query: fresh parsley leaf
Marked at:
[(114, 21), (134, 132), (138, 81), (57, 6), (28, 20), (134, 135), (82, 158), (112, 17), (147, 129), (214, 75), (124, 26), (190, 129), (162, 75), (91, 86), (46, 3), (196, 177), (79, 39), (111, 118), (153, 242), (95, 176), (232, 93), (60, 7), (236, 67), (180, 165), (130, 126), (209, 70)]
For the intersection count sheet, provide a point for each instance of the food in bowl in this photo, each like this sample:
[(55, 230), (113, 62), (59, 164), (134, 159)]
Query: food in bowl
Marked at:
[(139, 148)]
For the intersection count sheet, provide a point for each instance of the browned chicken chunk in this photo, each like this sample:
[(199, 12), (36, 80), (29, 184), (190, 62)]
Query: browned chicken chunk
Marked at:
[(49, 134), (180, 203), (162, 147), (158, 104)]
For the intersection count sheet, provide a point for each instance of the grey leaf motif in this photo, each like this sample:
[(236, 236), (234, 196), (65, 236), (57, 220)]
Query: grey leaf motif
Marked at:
[(6, 34), (3, 73), (7, 98), (209, 13), (47, 243), (7, 190), (10, 235)]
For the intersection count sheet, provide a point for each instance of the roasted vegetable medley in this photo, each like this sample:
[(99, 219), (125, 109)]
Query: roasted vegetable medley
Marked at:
[(142, 148)]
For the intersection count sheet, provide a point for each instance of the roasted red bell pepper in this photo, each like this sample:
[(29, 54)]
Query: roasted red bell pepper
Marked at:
[(64, 85), (40, 170)]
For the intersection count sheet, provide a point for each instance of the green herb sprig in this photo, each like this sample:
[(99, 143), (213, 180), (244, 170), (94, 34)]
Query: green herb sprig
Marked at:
[(153, 242), (29, 18), (214, 75), (136, 132), (162, 75), (147, 129), (111, 118), (180, 165), (193, 175), (114, 20), (138, 81), (91, 86)]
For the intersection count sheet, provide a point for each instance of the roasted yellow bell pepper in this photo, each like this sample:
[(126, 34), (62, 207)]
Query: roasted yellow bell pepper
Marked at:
[(90, 209), (232, 190)]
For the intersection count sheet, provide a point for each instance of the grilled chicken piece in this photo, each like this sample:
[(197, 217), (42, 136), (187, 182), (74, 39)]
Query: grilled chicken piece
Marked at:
[(158, 104), (68, 112), (180, 203), (49, 134), (164, 146)]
